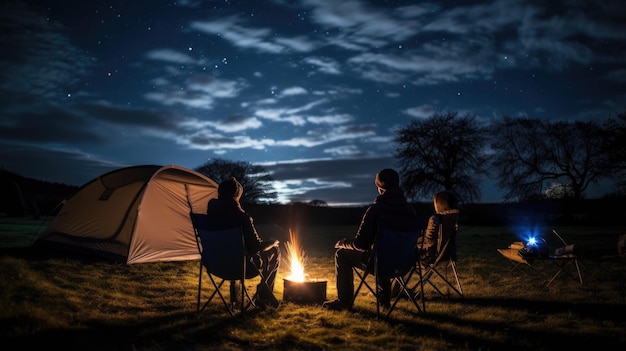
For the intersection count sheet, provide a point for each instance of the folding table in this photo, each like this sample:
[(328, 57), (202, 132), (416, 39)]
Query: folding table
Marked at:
[(560, 258)]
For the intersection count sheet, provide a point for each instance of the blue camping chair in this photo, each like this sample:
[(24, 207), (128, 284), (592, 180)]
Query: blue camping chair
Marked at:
[(224, 257), (393, 257)]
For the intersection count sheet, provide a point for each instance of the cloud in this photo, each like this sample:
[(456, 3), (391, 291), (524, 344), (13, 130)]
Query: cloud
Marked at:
[(218, 88), (281, 115), (360, 22), (298, 44), (344, 151), (169, 55), (288, 115), (487, 18), (201, 91), (339, 182), (321, 136), (422, 70), (55, 125), (324, 64), (421, 112), (263, 40), (236, 123), (67, 165), (331, 119), (293, 91), (31, 63), (206, 140)]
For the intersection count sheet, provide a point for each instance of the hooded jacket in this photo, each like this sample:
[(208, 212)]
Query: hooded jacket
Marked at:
[(227, 213), (389, 210)]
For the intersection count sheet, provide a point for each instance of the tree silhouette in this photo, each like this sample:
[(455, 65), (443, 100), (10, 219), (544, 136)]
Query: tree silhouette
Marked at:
[(532, 156), (318, 203), (442, 152), (256, 181)]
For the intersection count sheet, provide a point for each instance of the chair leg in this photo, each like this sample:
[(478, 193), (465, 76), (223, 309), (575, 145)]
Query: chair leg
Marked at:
[(424, 273), (458, 289), (362, 282), (217, 290), (404, 291), (446, 280), (420, 273), (199, 287), (450, 285), (561, 268)]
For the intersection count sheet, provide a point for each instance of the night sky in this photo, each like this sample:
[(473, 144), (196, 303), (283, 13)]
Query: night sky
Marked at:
[(312, 90)]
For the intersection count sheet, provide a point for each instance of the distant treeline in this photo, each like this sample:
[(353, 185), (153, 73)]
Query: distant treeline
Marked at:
[(30, 197), (23, 196), (562, 212)]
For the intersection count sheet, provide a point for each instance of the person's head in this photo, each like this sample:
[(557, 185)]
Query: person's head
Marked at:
[(445, 201), (387, 179), (230, 189)]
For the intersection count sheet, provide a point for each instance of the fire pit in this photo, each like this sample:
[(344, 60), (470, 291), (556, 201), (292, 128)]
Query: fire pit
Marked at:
[(299, 288), (305, 292)]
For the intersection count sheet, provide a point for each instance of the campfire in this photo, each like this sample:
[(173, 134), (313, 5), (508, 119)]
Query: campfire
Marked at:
[(296, 258), (298, 286)]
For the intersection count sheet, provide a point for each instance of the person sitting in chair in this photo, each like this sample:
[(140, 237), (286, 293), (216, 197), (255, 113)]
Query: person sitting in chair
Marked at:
[(390, 208), (445, 203), (226, 212)]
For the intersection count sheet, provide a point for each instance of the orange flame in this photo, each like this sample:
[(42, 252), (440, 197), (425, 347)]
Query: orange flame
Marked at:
[(296, 258)]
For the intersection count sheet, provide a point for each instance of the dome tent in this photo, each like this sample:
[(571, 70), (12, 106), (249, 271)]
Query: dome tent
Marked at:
[(136, 214)]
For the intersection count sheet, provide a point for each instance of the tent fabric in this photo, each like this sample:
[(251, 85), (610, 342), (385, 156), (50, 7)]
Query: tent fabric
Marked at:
[(135, 215)]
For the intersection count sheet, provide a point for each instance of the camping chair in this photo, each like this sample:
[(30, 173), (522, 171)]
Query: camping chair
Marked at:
[(525, 255), (393, 257), (444, 263), (563, 256), (224, 256)]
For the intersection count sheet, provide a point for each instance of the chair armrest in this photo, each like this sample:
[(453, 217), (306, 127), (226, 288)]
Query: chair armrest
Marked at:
[(266, 245)]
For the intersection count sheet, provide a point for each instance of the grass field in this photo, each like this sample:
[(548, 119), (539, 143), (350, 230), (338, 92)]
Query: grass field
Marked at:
[(70, 302)]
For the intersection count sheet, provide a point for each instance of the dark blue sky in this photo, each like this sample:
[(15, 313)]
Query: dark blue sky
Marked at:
[(311, 90)]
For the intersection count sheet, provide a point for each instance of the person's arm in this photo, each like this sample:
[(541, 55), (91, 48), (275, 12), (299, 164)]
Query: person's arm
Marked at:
[(365, 235), (251, 238), (430, 235)]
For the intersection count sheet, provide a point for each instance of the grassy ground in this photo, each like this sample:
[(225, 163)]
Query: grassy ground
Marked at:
[(71, 302)]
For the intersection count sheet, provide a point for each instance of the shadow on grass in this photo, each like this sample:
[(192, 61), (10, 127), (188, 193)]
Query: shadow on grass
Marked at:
[(178, 331), (519, 335), (211, 331)]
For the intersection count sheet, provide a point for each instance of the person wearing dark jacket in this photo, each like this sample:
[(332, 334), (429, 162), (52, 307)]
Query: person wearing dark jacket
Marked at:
[(226, 212), (446, 215), (389, 209)]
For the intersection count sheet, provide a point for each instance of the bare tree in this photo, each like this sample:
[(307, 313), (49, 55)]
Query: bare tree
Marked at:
[(256, 181), (533, 156), (442, 152)]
